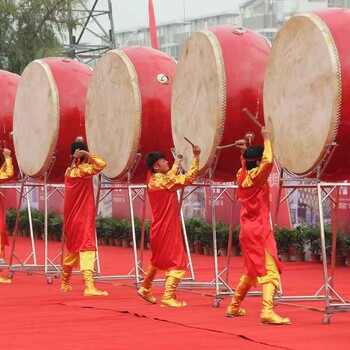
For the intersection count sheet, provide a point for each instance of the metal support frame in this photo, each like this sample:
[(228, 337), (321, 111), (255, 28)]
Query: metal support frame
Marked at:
[(50, 267), (33, 253), (334, 302)]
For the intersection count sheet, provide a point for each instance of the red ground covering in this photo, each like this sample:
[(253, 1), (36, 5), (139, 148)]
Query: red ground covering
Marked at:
[(35, 315)]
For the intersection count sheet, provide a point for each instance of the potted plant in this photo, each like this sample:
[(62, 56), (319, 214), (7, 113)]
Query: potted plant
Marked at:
[(101, 230), (126, 232), (23, 223), (235, 249), (108, 234), (138, 232), (312, 238), (11, 216), (55, 225), (284, 239), (204, 235), (347, 243), (222, 232), (299, 241), (193, 231), (38, 223), (115, 232)]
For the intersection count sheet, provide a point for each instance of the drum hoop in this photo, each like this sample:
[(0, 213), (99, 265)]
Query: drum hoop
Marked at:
[(333, 51), (222, 89), (267, 40), (52, 149), (137, 95)]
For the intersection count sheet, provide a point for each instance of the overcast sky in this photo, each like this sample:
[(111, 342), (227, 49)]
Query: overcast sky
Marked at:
[(129, 14)]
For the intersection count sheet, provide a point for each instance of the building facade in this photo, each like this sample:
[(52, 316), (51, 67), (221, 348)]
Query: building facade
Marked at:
[(172, 35), (263, 16)]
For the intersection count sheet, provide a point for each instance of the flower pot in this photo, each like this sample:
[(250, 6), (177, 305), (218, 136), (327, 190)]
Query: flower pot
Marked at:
[(285, 257), (299, 257), (235, 251), (117, 242), (315, 257), (340, 260), (198, 249), (125, 243), (223, 251), (103, 241), (57, 237)]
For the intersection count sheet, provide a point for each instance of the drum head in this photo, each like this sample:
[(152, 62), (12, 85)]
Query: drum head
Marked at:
[(302, 93), (8, 87), (114, 108), (36, 119), (198, 99)]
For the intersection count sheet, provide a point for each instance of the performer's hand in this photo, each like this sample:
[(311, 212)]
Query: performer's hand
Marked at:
[(265, 132), (81, 153), (196, 150), (241, 144), (7, 153)]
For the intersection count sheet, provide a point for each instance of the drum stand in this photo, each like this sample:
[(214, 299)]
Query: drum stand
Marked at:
[(32, 254), (324, 191), (50, 266)]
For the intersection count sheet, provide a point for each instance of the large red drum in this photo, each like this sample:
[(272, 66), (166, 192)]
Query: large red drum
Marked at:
[(8, 87), (49, 114), (307, 94), (219, 73), (128, 110)]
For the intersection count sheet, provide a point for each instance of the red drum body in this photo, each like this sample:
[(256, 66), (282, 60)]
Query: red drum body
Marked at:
[(49, 114), (219, 73), (128, 110), (8, 88), (307, 94)]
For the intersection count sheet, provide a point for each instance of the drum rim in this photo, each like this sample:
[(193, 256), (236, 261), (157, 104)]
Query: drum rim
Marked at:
[(323, 157), (221, 73), (56, 116), (335, 60), (137, 99)]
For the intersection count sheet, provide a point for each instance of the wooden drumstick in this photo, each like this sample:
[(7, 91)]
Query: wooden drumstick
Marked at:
[(193, 145), (251, 117), (227, 146), (73, 161)]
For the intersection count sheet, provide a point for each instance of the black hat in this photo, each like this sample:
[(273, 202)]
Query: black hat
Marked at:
[(152, 157), (253, 153), (77, 145)]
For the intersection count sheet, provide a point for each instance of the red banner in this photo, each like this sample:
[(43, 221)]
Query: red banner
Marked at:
[(152, 25)]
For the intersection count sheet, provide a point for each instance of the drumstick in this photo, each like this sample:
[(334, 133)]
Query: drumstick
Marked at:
[(227, 146), (73, 161), (251, 117), (189, 141)]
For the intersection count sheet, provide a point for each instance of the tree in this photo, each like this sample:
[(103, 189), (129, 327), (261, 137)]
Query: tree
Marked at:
[(31, 29)]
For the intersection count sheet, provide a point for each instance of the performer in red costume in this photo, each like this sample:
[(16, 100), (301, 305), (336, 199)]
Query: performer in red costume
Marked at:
[(256, 235), (80, 218), (168, 253), (6, 172)]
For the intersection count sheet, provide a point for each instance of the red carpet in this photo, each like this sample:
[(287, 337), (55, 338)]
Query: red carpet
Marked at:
[(35, 315)]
